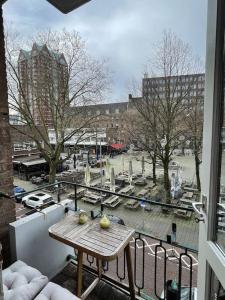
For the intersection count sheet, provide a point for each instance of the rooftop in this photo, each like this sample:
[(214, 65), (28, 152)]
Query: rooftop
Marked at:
[(41, 49)]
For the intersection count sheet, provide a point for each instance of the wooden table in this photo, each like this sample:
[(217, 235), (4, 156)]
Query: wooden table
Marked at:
[(103, 244)]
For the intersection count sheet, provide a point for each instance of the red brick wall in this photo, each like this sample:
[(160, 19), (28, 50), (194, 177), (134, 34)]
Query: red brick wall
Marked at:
[(7, 207)]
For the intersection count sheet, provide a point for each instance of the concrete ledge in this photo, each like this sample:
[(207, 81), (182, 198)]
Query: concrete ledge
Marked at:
[(30, 241)]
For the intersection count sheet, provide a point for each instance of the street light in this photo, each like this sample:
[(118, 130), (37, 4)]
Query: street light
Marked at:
[(66, 6)]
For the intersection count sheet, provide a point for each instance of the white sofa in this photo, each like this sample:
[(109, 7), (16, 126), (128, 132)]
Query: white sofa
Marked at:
[(53, 291), (22, 282)]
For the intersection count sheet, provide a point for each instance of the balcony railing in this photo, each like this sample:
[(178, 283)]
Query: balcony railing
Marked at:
[(156, 260)]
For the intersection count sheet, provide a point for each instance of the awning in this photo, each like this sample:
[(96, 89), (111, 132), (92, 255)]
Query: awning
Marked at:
[(117, 146), (34, 162)]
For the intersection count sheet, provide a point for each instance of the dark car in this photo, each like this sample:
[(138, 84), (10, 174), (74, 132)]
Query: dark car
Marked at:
[(17, 193)]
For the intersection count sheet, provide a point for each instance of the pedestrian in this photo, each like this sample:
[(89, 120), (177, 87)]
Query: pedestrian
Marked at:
[(74, 161)]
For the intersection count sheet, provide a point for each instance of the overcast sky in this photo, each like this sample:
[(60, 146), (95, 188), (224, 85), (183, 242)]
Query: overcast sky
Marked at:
[(122, 30)]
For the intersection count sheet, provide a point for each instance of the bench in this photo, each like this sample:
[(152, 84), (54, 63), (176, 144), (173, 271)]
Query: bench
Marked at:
[(181, 213)]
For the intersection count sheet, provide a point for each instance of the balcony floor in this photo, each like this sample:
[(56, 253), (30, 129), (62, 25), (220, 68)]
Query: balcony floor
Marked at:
[(67, 278)]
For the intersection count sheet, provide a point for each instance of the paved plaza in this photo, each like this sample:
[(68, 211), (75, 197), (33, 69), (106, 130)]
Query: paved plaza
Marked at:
[(154, 223), (151, 225)]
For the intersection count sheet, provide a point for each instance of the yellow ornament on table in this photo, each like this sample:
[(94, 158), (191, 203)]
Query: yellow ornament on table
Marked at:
[(104, 222), (82, 218)]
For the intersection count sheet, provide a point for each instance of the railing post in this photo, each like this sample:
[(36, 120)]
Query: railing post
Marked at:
[(75, 197), (102, 207), (58, 192)]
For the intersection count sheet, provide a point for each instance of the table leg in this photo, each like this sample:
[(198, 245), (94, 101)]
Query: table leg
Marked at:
[(99, 268), (79, 272), (130, 272)]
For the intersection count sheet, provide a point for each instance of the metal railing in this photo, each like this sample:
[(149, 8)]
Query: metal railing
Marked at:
[(152, 269), (155, 261), (75, 185)]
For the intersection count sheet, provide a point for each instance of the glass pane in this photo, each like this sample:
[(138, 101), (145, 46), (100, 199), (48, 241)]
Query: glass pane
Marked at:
[(217, 292), (220, 230)]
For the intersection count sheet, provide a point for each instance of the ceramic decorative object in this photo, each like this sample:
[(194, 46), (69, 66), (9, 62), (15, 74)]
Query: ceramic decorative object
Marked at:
[(83, 218), (104, 222)]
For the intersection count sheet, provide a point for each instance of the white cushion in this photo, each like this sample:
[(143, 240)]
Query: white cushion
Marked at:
[(22, 282), (53, 291), (14, 267)]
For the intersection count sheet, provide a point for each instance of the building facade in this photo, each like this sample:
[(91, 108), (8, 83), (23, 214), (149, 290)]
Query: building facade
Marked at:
[(185, 86), (110, 126), (110, 118), (179, 96), (43, 79)]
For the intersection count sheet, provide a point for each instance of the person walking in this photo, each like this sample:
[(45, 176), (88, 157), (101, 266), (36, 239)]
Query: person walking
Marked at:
[(74, 161)]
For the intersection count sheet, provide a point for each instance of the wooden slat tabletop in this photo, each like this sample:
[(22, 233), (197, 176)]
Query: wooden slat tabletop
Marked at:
[(91, 238)]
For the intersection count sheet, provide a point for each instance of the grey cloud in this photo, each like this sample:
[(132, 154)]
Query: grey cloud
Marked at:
[(123, 30)]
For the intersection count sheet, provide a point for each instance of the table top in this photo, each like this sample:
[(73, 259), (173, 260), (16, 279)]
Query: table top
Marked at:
[(188, 194), (185, 200), (91, 238)]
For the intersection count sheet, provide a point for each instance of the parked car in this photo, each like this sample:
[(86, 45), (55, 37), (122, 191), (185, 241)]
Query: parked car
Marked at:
[(37, 199), (17, 192)]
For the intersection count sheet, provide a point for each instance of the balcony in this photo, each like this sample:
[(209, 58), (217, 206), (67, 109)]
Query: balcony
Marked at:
[(158, 253)]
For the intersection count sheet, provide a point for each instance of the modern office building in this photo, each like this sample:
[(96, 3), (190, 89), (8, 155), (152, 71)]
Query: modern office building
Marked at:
[(43, 76), (185, 86)]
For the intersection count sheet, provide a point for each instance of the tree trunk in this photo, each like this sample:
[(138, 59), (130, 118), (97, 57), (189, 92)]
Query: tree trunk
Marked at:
[(166, 178), (52, 172), (154, 168), (197, 164)]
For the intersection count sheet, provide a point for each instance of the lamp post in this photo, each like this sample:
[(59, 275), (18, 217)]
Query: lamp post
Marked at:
[(7, 207)]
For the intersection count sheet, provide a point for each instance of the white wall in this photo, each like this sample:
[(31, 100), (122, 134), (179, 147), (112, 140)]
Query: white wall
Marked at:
[(31, 243)]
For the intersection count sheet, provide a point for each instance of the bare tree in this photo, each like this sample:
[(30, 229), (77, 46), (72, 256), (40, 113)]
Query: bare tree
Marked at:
[(73, 80), (140, 132), (194, 123), (165, 97)]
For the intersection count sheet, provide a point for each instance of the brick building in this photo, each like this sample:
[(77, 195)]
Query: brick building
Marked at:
[(43, 78), (111, 117), (7, 206)]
